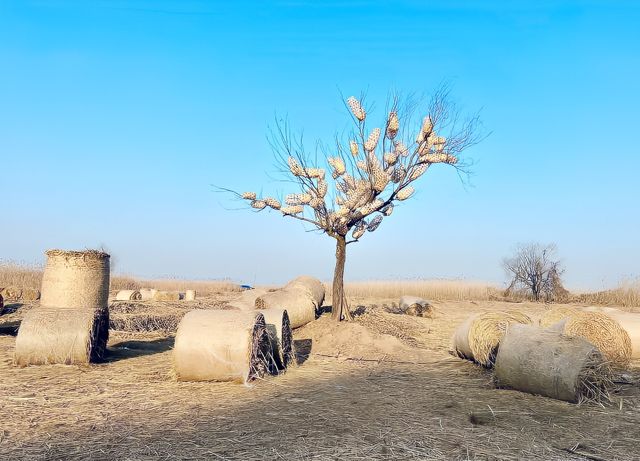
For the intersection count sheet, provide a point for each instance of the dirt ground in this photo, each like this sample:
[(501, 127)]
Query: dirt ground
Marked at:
[(382, 387)]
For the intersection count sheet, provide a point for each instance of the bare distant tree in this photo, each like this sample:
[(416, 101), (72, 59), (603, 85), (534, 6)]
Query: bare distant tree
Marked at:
[(368, 172), (535, 269)]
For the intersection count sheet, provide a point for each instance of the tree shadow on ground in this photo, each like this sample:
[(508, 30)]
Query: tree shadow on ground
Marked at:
[(129, 349), (10, 328), (11, 308)]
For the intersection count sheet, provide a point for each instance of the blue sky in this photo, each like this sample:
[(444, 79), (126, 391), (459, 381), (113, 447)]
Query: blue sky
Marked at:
[(117, 117)]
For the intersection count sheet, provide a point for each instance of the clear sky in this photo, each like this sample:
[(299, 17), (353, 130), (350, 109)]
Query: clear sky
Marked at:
[(116, 117)]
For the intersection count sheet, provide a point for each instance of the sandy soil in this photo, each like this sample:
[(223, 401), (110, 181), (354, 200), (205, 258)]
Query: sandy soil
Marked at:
[(382, 387)]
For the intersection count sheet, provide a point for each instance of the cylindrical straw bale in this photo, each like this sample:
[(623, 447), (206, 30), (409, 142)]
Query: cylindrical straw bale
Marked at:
[(602, 331), (550, 364), (11, 293), (297, 302), (631, 324), (30, 294), (487, 331), (281, 337), (147, 293), (555, 314), (414, 305), (62, 335), (128, 295), (247, 299), (460, 340), (75, 279), (166, 296), (314, 287), (190, 295), (221, 345)]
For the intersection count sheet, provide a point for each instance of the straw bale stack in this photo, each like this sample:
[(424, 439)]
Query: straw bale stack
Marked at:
[(416, 306), (548, 363), (601, 330), (71, 325), (280, 336), (166, 296), (221, 345), (129, 295), (190, 295), (555, 314), (478, 338)]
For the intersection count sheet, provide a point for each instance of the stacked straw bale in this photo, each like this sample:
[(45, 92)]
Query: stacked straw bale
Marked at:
[(281, 338), (222, 345), (11, 293), (128, 295), (416, 306), (548, 363), (601, 330), (478, 338), (71, 325), (190, 295), (300, 297), (166, 296)]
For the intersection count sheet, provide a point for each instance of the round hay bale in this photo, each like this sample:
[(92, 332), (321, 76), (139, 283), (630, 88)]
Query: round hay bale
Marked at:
[(75, 279), (555, 314), (247, 299), (296, 300), (11, 293), (221, 345), (460, 340), (313, 286), (166, 296), (611, 339), (30, 294), (147, 293), (280, 336), (190, 295), (128, 295), (550, 364), (487, 331), (631, 324), (416, 306), (62, 335)]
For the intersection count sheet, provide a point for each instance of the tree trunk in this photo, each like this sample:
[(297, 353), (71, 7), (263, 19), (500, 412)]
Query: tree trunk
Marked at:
[(340, 309)]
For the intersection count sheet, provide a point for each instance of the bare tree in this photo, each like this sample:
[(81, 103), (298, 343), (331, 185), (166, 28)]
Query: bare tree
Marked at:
[(368, 172), (535, 269)]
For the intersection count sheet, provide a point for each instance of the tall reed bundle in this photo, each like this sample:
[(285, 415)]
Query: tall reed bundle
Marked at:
[(129, 295), (280, 336), (190, 295), (555, 314), (602, 331), (166, 296), (481, 335), (221, 345), (75, 279), (300, 306), (548, 363), (71, 325)]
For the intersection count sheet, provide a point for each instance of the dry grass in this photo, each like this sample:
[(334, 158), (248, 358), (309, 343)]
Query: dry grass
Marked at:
[(20, 275), (627, 294), (450, 290)]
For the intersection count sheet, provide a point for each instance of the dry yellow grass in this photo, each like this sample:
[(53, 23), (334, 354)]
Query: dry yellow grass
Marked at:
[(627, 294), (451, 290), (20, 275)]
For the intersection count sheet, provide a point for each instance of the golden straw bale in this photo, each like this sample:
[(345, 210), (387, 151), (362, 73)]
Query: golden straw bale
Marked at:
[(62, 335), (11, 293), (221, 345), (631, 324), (190, 295), (555, 314), (460, 340), (166, 296), (416, 306), (147, 293), (30, 294), (128, 295), (602, 331), (548, 363), (312, 285), (75, 279)]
